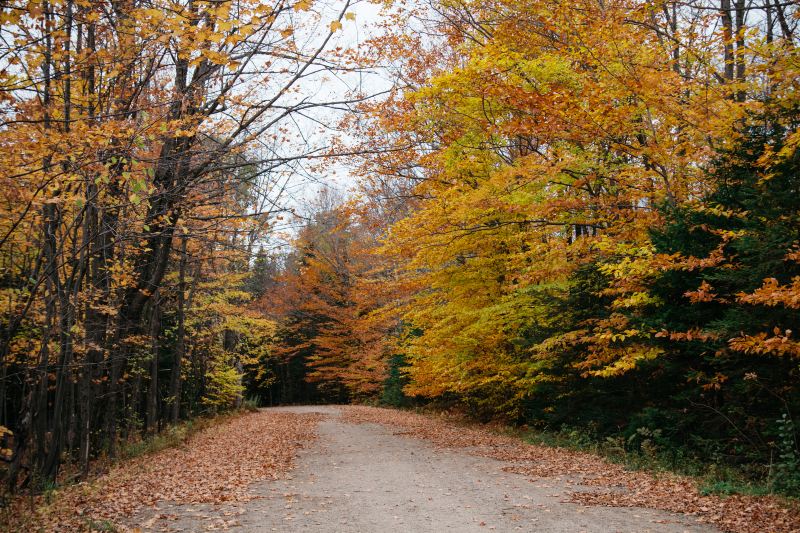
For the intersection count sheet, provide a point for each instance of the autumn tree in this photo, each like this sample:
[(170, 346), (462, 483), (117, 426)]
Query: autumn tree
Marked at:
[(141, 141), (544, 146), (322, 301)]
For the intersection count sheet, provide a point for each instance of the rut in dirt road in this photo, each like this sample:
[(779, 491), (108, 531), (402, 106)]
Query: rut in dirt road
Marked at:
[(365, 478)]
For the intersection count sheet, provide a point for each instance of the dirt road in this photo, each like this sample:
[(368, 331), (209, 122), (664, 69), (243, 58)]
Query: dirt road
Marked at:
[(366, 478)]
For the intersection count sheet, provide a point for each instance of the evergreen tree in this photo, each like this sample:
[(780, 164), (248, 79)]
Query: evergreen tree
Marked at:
[(731, 369)]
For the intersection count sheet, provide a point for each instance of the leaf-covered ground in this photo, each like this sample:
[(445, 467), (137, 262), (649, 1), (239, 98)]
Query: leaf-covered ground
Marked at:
[(216, 465), (610, 484), (219, 465)]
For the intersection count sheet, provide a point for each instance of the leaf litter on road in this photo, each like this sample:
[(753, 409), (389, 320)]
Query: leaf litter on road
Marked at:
[(610, 484), (215, 466)]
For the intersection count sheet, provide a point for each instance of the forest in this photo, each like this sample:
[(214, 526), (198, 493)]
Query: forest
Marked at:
[(573, 216)]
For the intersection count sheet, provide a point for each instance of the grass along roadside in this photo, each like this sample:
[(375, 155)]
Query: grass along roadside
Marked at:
[(712, 478)]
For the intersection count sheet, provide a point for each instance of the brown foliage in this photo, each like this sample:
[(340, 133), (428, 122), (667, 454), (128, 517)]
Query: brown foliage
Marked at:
[(214, 466)]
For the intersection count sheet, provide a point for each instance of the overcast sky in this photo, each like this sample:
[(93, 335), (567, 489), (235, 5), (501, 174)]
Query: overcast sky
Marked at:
[(301, 182)]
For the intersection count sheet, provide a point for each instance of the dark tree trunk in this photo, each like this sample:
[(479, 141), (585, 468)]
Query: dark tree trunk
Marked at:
[(740, 31), (151, 418), (180, 345), (727, 35)]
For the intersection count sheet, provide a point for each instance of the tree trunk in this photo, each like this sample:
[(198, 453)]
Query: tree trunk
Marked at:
[(180, 346), (727, 36), (740, 65), (151, 418)]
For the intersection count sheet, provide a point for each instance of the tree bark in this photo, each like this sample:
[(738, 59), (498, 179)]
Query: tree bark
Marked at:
[(151, 418), (180, 345), (727, 36), (740, 31)]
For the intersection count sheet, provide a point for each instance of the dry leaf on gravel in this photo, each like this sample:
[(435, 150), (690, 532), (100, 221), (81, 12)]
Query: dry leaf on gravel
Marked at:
[(739, 514)]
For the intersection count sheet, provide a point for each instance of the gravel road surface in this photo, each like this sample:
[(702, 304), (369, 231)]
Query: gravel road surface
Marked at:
[(364, 478)]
